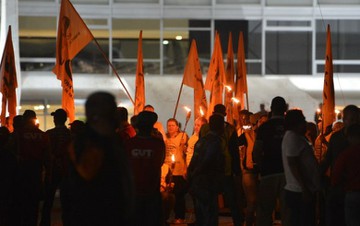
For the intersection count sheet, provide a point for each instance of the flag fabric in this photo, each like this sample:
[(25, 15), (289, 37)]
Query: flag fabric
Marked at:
[(241, 80), (193, 78), (229, 74), (72, 36), (8, 82), (328, 108), (139, 80), (216, 76)]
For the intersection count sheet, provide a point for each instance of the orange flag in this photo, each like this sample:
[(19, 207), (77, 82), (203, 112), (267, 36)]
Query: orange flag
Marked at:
[(230, 73), (216, 76), (139, 80), (73, 35), (8, 82), (193, 78), (328, 109)]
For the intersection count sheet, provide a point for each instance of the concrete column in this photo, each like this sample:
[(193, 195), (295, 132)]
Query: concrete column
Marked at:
[(10, 16)]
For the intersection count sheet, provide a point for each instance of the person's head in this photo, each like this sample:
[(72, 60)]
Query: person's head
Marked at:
[(337, 125), (4, 135), (60, 116), (216, 123), (77, 126), (29, 117), (149, 108), (172, 126), (262, 107), (353, 134), (295, 121), (244, 117), (122, 114), (311, 131), (220, 109), (278, 106), (145, 121), (18, 122), (350, 115), (198, 123), (100, 110)]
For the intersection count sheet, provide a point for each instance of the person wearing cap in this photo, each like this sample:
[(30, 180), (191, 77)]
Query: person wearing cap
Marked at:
[(232, 171), (60, 139), (301, 171), (146, 154), (268, 159), (32, 148), (99, 187)]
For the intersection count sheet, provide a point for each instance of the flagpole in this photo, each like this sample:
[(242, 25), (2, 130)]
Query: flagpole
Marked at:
[(247, 102), (178, 99), (114, 70)]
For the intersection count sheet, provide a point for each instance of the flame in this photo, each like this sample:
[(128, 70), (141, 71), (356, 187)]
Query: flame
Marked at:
[(37, 122), (187, 109), (337, 111), (318, 110), (228, 88), (201, 112), (236, 101), (173, 158)]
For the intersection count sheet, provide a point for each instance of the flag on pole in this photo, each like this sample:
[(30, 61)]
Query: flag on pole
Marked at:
[(73, 35), (328, 108), (216, 76), (241, 80), (139, 80), (193, 78), (8, 82), (230, 73)]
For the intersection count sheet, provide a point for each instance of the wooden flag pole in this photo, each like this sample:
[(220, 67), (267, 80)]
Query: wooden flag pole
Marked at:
[(178, 99), (247, 102), (114, 70)]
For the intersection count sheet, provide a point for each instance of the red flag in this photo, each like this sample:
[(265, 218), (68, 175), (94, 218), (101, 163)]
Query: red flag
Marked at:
[(73, 35), (139, 80), (328, 109), (241, 80), (230, 73), (216, 76), (193, 78), (8, 82)]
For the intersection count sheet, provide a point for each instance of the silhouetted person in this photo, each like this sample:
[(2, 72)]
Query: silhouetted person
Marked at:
[(206, 173), (8, 171), (59, 141), (31, 146), (146, 154), (99, 188), (124, 129)]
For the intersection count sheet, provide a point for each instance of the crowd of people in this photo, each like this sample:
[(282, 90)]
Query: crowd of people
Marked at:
[(269, 167)]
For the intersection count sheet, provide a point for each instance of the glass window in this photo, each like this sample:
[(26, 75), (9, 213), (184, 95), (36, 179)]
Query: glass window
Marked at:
[(338, 2), (187, 2), (289, 3), (136, 1), (345, 36), (178, 35), (238, 1), (288, 53)]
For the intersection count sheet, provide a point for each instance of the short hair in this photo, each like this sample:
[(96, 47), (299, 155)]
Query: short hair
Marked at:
[(293, 118), (100, 105), (216, 123), (122, 113), (173, 120), (278, 104)]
